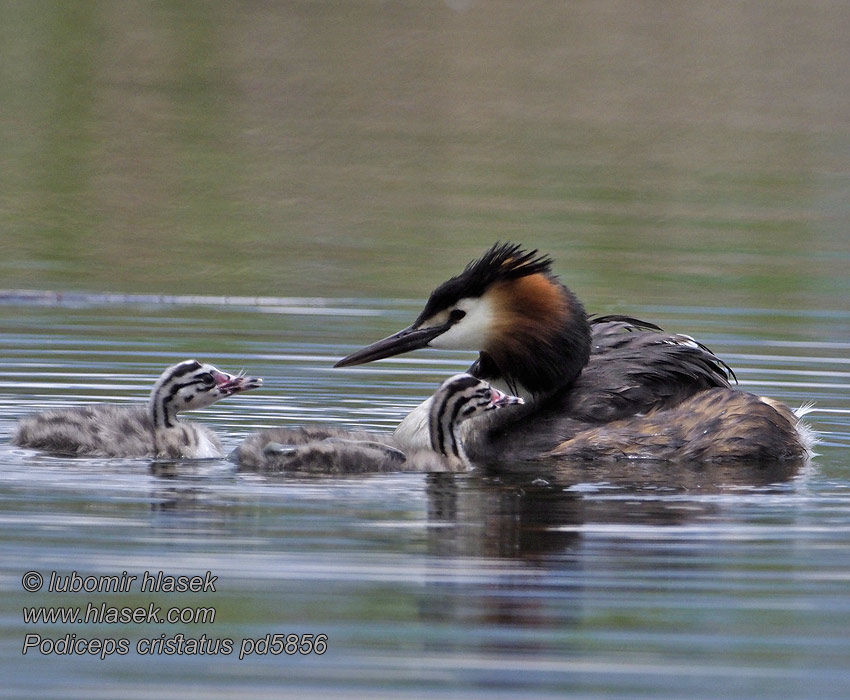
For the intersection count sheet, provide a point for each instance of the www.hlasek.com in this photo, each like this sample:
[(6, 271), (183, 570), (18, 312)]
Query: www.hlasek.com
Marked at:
[(103, 613)]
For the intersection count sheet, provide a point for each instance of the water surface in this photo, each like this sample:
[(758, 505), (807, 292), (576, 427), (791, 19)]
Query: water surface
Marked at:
[(712, 583)]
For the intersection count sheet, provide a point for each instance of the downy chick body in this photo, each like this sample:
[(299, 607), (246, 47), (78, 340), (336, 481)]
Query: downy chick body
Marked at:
[(154, 430)]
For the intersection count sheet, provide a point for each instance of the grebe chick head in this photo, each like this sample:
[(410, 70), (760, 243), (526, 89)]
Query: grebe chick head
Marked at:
[(531, 331), (189, 385), (458, 399)]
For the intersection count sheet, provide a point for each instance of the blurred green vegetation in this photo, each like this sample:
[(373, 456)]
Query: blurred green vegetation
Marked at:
[(365, 149)]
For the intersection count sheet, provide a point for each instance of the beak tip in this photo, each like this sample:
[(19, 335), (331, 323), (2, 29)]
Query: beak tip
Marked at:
[(240, 384)]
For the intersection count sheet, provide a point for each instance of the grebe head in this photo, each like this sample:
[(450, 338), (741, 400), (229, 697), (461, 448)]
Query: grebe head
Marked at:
[(458, 399), (531, 331), (191, 384)]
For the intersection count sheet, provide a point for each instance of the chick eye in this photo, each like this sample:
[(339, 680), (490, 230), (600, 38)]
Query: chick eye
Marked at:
[(206, 379), (456, 315)]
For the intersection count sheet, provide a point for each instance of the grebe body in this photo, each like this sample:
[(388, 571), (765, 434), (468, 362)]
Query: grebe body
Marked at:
[(110, 430), (715, 425), (616, 376)]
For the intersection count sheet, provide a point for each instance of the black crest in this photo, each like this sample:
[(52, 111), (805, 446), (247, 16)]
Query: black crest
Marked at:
[(503, 262)]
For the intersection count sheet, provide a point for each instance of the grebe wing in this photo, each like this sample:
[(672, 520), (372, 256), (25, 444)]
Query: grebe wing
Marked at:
[(632, 370), (615, 323)]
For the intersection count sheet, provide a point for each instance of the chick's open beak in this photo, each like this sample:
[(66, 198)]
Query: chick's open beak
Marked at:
[(499, 399), (233, 384)]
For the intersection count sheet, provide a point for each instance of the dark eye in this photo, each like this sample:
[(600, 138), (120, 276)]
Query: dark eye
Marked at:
[(456, 315), (206, 379)]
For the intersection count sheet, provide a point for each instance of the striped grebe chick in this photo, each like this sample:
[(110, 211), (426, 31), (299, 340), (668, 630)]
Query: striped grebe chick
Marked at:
[(580, 373), (329, 451), (112, 430)]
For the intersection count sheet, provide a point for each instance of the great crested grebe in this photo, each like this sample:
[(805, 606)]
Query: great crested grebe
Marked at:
[(112, 430), (339, 452), (595, 387)]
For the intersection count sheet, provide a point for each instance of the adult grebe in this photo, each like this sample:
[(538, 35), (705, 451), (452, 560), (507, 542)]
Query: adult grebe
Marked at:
[(326, 451), (111, 430), (604, 380)]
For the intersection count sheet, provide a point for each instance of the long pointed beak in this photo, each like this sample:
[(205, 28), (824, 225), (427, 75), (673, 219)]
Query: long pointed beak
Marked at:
[(404, 341)]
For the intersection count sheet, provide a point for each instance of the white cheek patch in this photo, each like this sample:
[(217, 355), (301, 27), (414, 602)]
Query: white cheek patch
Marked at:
[(472, 331)]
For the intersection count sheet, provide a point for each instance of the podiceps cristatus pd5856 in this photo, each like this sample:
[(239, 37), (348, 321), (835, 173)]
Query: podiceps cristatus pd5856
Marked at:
[(112, 430), (328, 451), (595, 387)]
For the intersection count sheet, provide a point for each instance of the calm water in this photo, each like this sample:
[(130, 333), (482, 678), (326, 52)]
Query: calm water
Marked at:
[(319, 168), (618, 584)]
